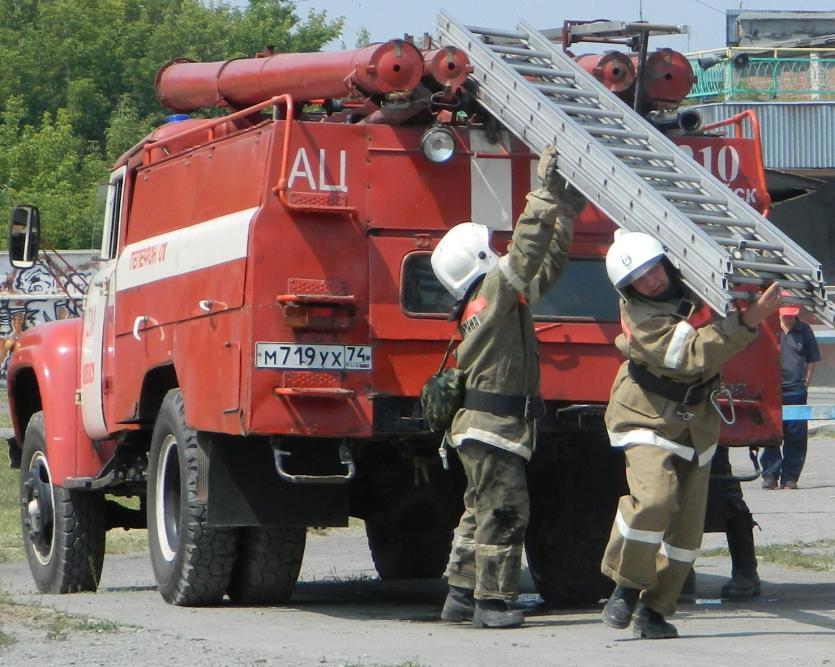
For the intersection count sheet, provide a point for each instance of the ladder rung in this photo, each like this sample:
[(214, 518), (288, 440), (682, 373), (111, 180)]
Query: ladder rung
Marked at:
[(745, 280), (669, 175), (774, 268), (554, 89), (682, 195), (718, 220), (582, 110), (537, 70), (520, 51), (742, 244), (641, 153), (612, 131), (492, 32)]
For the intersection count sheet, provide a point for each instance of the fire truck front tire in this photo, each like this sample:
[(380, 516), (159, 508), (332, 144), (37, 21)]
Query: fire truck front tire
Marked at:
[(63, 530), (192, 562), (268, 564)]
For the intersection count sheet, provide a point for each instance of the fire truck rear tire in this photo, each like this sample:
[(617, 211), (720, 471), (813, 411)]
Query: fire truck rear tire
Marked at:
[(63, 530), (574, 493), (397, 554), (192, 562), (268, 564)]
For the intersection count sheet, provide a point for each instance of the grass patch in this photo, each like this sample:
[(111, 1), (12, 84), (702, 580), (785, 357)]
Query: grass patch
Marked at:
[(818, 556), (56, 625), (10, 546)]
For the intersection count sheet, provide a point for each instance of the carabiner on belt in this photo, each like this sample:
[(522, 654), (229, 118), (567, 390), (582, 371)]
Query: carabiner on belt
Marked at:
[(714, 401)]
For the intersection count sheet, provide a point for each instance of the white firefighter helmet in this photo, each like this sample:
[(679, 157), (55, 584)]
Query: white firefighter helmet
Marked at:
[(461, 256), (631, 256)]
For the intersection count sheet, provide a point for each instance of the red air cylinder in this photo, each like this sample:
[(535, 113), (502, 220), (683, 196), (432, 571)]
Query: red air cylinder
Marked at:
[(613, 69), (667, 79), (377, 69), (448, 66)]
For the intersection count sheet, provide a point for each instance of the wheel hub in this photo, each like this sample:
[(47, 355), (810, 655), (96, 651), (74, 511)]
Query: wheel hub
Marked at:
[(38, 510)]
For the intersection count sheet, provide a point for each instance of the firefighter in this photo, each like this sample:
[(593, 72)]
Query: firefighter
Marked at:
[(664, 414), (494, 432)]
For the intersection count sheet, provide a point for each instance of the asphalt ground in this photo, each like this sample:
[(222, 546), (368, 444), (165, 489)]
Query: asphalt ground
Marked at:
[(341, 614)]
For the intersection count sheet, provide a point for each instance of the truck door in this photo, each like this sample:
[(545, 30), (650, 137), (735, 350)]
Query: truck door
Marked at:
[(97, 330)]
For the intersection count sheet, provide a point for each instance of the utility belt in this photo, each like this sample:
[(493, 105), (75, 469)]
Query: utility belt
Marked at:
[(529, 406), (680, 392)]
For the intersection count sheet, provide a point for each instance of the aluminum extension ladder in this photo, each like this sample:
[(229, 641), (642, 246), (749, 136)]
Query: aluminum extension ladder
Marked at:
[(631, 171)]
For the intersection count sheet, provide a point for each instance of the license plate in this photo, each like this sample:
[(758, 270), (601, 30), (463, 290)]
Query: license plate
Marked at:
[(293, 356)]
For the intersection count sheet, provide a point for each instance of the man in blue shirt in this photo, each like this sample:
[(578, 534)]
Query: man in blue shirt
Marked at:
[(798, 355)]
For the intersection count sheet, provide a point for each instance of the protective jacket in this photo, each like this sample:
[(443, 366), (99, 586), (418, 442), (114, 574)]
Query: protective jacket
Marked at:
[(678, 340), (660, 412), (498, 351)]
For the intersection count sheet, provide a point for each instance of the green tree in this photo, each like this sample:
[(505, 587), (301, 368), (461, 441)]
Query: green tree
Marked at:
[(77, 86)]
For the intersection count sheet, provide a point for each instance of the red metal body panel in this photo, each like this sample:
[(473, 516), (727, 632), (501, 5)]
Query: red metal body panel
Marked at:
[(218, 178), (51, 351)]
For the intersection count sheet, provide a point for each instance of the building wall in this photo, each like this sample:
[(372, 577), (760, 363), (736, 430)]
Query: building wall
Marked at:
[(795, 135)]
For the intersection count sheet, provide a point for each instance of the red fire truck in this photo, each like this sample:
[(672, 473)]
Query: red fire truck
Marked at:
[(265, 313)]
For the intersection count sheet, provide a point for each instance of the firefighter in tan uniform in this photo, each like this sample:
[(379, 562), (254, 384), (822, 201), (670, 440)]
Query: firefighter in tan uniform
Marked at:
[(494, 432), (661, 412)]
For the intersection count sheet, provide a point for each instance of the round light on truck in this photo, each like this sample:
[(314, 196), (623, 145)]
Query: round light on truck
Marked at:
[(437, 144)]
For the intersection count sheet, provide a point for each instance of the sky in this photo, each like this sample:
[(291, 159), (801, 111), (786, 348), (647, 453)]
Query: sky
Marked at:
[(387, 19)]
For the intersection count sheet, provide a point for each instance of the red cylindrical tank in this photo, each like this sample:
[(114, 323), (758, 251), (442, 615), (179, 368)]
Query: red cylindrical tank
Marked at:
[(183, 85), (613, 69), (448, 66), (667, 79)]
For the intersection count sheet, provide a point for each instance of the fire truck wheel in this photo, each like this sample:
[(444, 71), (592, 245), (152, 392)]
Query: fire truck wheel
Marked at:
[(408, 554), (63, 530), (268, 564), (192, 562)]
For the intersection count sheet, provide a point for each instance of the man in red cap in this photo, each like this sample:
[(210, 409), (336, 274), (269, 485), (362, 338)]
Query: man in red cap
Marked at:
[(798, 355)]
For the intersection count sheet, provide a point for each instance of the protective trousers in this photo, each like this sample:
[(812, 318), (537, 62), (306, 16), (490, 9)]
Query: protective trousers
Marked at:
[(658, 528), (486, 551), (787, 468)]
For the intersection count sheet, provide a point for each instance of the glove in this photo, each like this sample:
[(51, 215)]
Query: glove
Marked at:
[(546, 171)]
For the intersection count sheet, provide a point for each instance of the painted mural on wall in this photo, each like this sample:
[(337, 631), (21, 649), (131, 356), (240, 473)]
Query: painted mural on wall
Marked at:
[(50, 290)]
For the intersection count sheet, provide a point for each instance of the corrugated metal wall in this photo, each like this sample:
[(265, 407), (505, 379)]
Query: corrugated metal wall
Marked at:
[(795, 135)]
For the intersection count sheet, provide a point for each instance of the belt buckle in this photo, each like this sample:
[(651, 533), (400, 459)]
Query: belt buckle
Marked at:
[(684, 414), (534, 407)]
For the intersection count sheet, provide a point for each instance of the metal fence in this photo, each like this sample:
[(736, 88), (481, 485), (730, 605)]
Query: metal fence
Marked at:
[(779, 74)]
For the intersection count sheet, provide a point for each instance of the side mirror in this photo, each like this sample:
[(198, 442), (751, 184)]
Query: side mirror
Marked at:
[(24, 236)]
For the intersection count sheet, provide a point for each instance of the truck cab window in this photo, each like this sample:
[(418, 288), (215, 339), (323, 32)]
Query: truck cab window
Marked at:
[(583, 292), (113, 215)]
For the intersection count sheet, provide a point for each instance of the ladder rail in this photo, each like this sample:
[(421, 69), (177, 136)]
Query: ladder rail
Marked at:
[(631, 194)]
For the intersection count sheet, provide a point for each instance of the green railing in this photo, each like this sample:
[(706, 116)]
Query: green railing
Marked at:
[(778, 74)]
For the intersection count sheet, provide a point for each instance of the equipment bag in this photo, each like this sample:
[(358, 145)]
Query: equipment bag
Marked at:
[(441, 396)]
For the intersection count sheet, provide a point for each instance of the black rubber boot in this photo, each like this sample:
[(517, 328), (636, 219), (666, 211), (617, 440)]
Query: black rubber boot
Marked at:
[(458, 606), (745, 582), (496, 614), (649, 624), (620, 606)]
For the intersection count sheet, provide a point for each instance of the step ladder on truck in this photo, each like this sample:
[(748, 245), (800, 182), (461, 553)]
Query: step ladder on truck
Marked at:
[(631, 171)]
